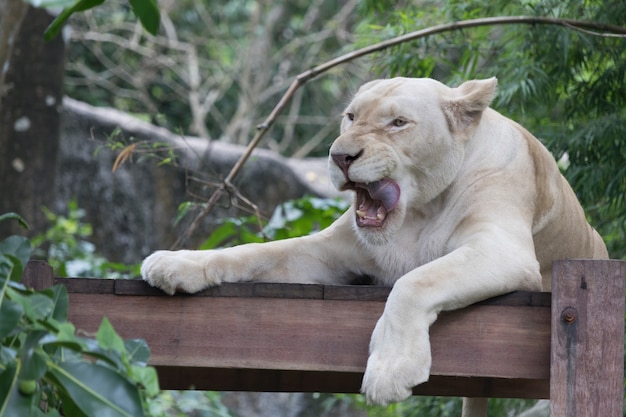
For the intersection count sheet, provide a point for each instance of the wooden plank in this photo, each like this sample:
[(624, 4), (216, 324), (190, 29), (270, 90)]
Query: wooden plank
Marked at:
[(38, 275), (277, 290), (587, 338), (316, 335), (87, 285), (284, 337)]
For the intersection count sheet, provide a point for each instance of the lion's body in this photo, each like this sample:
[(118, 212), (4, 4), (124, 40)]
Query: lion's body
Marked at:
[(454, 203)]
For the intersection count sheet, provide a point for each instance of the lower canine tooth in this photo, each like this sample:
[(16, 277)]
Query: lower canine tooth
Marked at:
[(361, 213), (380, 216)]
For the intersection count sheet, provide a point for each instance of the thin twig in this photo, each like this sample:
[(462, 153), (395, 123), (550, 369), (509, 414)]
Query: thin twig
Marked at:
[(590, 28)]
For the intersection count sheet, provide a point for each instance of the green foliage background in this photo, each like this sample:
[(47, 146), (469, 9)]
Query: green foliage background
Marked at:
[(565, 86), (47, 369)]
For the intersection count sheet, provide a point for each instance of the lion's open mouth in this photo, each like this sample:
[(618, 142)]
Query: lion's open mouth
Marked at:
[(374, 201)]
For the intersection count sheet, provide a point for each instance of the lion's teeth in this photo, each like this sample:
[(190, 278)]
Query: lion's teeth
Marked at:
[(379, 216), (361, 213)]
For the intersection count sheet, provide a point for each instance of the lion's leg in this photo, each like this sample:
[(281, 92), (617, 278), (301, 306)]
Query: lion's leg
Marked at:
[(400, 356), (326, 257)]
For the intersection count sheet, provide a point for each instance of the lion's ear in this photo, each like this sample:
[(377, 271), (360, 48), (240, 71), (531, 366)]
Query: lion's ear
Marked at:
[(468, 102)]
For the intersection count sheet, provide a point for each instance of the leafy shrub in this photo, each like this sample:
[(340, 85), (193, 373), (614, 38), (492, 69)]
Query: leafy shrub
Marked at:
[(294, 218), (45, 368), (69, 251)]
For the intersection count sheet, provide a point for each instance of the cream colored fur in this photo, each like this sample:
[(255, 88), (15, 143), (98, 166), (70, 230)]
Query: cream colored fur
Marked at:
[(478, 209)]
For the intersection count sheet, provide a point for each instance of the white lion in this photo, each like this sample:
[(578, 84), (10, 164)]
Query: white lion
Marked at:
[(453, 203)]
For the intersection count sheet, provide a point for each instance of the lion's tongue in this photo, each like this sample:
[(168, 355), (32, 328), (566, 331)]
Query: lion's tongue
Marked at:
[(375, 201), (386, 191)]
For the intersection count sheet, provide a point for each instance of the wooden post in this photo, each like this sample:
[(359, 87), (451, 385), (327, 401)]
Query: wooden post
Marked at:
[(38, 275), (587, 359)]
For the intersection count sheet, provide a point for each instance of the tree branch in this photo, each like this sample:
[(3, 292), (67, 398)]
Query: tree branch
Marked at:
[(590, 28)]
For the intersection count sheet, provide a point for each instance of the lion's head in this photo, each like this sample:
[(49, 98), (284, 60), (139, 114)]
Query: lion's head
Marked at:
[(402, 143)]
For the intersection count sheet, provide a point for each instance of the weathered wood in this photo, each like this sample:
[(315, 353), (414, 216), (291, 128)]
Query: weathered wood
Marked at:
[(192, 336), (587, 338), (38, 275), (285, 337)]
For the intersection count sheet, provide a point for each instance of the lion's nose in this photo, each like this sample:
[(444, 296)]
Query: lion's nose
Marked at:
[(344, 160)]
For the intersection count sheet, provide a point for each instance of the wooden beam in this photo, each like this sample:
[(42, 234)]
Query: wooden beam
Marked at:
[(285, 337), (314, 338), (587, 338)]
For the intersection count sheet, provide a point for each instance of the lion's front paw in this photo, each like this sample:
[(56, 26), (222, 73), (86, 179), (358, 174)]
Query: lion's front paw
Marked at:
[(391, 380), (173, 271), (398, 361)]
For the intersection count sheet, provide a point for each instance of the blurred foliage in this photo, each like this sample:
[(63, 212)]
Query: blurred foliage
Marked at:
[(188, 403), (146, 11), (294, 218), (66, 247), (216, 70), (46, 369), (565, 86)]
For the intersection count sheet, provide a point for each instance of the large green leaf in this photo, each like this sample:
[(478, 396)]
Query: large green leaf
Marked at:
[(33, 361), (37, 306), (147, 377), (12, 402), (146, 10), (7, 355), (8, 380), (148, 13), (61, 302), (11, 313), (108, 338), (59, 21), (18, 247), (138, 351), (97, 390)]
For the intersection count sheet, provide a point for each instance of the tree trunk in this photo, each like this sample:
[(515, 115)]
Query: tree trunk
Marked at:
[(30, 122), (11, 16)]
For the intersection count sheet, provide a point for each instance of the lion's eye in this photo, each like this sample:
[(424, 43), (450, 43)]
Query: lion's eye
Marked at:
[(350, 116), (398, 122)]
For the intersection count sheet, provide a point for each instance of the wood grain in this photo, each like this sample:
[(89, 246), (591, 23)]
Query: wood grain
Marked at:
[(285, 337), (587, 338)]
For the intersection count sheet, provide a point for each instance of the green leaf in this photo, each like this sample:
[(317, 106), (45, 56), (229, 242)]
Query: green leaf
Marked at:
[(11, 313), (17, 247), (183, 209), (223, 232), (14, 216), (12, 403), (6, 355), (69, 406), (97, 390), (37, 306), (57, 24), (42, 305), (148, 13), (33, 361), (20, 405), (8, 380), (138, 351), (110, 357), (108, 338), (61, 302), (146, 376)]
